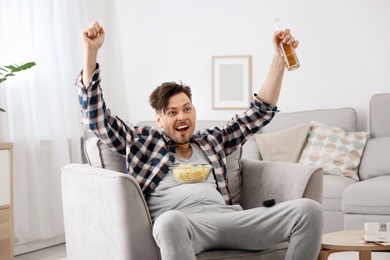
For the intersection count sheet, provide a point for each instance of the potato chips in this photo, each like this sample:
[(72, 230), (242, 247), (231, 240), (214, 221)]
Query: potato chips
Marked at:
[(191, 173)]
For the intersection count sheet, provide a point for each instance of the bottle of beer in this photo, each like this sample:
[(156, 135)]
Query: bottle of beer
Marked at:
[(287, 51)]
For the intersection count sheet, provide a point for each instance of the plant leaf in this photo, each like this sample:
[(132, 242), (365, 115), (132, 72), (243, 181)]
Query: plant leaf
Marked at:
[(11, 67), (15, 68), (22, 67)]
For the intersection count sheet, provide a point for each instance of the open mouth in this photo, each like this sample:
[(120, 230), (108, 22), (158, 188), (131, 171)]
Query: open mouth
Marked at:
[(182, 128)]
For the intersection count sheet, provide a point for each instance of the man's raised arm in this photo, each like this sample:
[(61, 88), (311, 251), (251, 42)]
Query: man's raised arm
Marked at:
[(92, 39), (272, 85)]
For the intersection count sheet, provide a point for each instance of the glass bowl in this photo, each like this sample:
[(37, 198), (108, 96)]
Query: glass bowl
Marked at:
[(189, 173)]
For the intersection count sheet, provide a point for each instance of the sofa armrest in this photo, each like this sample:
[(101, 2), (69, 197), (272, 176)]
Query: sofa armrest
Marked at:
[(105, 213), (280, 181)]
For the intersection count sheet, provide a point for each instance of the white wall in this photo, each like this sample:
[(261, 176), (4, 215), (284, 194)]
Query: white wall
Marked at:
[(344, 51)]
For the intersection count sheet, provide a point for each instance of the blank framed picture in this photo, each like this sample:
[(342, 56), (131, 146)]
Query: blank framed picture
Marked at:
[(231, 81)]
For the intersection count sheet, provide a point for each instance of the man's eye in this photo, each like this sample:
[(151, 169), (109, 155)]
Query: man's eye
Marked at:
[(171, 113), (187, 109)]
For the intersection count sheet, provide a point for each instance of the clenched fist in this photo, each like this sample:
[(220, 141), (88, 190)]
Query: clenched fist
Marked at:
[(93, 37)]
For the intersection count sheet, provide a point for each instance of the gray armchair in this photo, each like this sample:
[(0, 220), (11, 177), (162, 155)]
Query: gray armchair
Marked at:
[(106, 216)]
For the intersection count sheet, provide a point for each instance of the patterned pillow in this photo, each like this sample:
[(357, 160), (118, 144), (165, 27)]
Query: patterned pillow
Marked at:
[(337, 151)]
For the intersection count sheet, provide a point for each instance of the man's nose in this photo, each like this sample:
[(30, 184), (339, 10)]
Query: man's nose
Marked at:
[(181, 115)]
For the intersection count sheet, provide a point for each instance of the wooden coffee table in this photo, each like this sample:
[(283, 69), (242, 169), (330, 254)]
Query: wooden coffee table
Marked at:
[(350, 240)]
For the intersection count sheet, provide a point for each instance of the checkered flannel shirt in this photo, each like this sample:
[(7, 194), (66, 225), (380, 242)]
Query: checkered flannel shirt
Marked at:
[(149, 153)]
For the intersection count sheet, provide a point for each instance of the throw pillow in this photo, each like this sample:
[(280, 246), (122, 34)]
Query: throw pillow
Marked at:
[(336, 150), (285, 145)]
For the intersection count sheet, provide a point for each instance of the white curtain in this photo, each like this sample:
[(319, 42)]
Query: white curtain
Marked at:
[(42, 118)]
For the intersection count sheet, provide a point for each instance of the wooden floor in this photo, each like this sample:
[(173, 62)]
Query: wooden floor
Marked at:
[(58, 253)]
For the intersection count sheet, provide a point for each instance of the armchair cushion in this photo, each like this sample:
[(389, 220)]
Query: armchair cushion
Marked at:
[(99, 155), (234, 175)]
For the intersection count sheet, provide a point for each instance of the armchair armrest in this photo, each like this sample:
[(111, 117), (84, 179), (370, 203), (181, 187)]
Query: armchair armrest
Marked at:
[(280, 181), (105, 213)]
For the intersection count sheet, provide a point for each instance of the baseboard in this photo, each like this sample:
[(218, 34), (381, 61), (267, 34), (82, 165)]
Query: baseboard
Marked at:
[(38, 244)]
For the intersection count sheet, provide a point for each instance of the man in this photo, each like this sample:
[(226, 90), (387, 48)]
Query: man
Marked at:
[(191, 218)]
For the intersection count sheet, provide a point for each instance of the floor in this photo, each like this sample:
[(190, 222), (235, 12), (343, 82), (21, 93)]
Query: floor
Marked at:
[(50, 253), (58, 253)]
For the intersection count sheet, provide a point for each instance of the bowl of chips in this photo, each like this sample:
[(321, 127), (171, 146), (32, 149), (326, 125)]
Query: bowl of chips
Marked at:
[(189, 173)]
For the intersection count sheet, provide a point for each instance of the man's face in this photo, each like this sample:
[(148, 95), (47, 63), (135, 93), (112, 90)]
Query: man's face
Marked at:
[(178, 120)]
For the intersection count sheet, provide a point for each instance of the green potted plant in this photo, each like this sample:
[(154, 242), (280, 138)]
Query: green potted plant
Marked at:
[(9, 70)]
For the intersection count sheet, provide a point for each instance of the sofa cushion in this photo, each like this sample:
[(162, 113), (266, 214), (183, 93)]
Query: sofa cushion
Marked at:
[(285, 145), (334, 187), (375, 161), (335, 149), (369, 197)]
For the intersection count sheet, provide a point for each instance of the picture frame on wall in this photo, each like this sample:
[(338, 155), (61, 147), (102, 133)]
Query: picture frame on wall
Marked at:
[(231, 81)]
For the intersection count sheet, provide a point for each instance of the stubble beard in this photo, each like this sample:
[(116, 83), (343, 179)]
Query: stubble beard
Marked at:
[(182, 140)]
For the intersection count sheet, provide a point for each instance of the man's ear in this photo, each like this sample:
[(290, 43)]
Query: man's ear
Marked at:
[(158, 120), (194, 111)]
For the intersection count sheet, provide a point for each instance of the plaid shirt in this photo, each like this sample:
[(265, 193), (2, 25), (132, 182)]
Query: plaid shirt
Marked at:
[(149, 153)]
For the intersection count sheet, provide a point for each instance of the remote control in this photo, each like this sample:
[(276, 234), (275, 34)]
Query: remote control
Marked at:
[(269, 203)]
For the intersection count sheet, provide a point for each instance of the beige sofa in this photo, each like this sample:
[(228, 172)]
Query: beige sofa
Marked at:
[(348, 202)]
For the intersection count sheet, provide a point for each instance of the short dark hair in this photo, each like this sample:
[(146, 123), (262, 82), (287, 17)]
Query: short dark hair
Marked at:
[(159, 98)]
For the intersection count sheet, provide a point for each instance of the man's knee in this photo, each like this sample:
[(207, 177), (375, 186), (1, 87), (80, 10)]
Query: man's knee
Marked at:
[(313, 207), (171, 224), (311, 210)]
